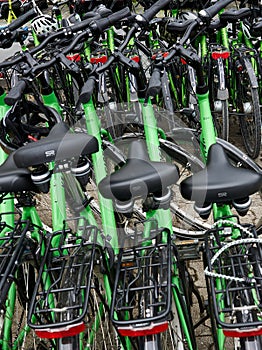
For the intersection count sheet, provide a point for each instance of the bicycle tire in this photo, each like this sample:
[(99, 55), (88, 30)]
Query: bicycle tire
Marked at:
[(255, 342), (173, 338), (17, 333), (249, 107), (99, 333), (240, 296), (105, 336), (192, 99), (19, 271)]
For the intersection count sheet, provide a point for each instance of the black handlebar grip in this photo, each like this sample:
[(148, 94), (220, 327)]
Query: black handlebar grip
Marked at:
[(83, 24), (150, 13), (190, 56), (15, 93), (23, 19), (211, 11), (154, 85), (128, 62), (98, 26)]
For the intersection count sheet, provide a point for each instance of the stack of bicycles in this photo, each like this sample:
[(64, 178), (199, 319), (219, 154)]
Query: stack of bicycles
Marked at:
[(118, 119)]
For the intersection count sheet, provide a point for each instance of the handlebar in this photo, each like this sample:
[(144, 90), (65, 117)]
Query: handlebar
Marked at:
[(90, 27), (88, 24), (208, 13), (150, 13), (95, 27), (15, 93), (98, 24), (20, 21), (13, 32)]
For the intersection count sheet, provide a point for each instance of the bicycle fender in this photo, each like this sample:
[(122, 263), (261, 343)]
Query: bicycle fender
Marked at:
[(251, 73), (222, 93)]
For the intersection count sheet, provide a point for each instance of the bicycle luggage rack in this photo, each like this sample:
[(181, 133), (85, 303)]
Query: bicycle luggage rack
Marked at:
[(14, 247), (141, 299), (234, 276), (60, 298)]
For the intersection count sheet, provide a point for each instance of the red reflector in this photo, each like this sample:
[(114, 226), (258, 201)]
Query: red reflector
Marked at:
[(239, 67), (101, 59), (220, 54), (135, 58), (63, 332), (75, 58), (183, 61), (240, 333), (143, 331)]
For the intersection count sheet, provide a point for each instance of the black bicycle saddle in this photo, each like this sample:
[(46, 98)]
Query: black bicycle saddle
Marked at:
[(139, 176), (220, 181), (60, 144), (14, 179)]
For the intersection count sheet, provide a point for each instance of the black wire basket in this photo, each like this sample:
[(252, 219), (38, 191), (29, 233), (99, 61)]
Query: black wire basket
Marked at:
[(142, 289), (234, 276), (18, 245), (60, 297)]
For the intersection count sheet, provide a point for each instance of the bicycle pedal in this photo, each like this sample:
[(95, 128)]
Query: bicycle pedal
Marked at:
[(188, 249)]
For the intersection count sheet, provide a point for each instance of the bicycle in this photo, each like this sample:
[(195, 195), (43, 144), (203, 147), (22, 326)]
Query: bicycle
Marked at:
[(111, 190), (243, 78), (89, 108), (216, 194), (94, 129), (44, 178)]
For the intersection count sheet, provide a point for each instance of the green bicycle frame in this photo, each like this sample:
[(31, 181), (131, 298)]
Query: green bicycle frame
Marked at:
[(7, 204), (106, 206), (28, 213), (207, 138), (163, 216)]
